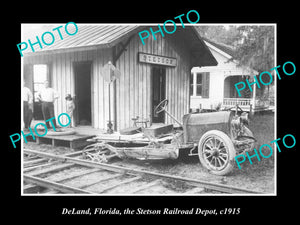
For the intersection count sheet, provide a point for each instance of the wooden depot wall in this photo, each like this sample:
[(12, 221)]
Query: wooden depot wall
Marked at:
[(132, 94), (134, 87)]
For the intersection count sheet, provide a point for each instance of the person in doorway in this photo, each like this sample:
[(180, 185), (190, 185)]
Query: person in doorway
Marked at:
[(47, 96), (70, 108), (27, 106)]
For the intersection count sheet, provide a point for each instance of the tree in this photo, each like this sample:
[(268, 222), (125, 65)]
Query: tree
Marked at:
[(255, 47), (219, 34)]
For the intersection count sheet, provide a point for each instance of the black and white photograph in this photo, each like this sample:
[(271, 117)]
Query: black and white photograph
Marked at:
[(130, 109), (148, 113)]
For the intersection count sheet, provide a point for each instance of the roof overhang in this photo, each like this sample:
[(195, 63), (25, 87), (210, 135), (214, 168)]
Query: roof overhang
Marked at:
[(91, 37), (200, 53)]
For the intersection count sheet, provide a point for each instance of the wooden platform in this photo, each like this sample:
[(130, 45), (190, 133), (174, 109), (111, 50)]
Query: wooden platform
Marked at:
[(74, 141)]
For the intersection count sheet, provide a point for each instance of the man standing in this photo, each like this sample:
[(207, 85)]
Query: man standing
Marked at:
[(27, 106), (48, 95)]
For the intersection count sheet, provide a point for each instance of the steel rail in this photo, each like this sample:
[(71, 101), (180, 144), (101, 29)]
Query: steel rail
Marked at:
[(208, 185), (53, 185)]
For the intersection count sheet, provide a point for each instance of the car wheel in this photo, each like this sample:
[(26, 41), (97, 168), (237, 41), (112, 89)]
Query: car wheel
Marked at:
[(216, 152)]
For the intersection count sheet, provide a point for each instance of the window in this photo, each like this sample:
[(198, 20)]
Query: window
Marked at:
[(40, 74), (199, 85)]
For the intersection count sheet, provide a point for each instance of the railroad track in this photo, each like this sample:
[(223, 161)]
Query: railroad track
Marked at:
[(45, 173)]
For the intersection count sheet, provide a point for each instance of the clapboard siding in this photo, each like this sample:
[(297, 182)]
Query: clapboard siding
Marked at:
[(134, 86), (133, 89), (63, 80)]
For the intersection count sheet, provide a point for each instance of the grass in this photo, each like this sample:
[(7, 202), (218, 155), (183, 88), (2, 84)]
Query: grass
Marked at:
[(262, 126), (259, 176)]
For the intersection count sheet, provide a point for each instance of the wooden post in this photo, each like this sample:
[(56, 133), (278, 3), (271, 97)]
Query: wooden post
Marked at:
[(194, 83), (114, 61), (109, 124), (254, 96)]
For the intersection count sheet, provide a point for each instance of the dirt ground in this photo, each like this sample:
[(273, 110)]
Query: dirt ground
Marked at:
[(260, 176)]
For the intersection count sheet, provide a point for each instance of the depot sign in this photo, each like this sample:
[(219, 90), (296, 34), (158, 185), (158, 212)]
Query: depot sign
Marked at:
[(48, 38), (157, 59)]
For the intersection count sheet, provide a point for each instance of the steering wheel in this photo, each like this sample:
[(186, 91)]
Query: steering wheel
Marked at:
[(161, 106)]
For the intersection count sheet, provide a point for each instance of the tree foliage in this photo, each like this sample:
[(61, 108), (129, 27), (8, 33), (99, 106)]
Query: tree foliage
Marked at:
[(219, 34), (255, 47)]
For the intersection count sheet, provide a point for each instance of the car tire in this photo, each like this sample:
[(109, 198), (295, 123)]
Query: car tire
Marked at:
[(216, 152)]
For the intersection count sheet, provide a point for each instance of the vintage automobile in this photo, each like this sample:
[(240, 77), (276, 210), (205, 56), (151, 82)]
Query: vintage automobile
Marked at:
[(216, 137)]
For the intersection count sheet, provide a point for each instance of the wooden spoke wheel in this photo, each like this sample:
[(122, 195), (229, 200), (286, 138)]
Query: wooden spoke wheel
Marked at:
[(216, 152)]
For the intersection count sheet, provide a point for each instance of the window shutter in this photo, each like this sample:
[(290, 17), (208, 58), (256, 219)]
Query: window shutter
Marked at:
[(205, 86), (192, 84)]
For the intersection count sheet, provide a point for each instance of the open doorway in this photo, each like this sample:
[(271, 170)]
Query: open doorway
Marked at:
[(83, 115), (158, 92)]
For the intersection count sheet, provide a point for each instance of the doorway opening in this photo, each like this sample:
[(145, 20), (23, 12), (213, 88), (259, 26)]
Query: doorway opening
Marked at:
[(158, 92), (83, 112)]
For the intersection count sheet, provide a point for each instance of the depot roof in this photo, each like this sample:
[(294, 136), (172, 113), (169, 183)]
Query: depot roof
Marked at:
[(91, 37), (223, 47)]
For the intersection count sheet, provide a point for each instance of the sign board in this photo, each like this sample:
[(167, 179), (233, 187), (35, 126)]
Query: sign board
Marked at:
[(110, 72), (157, 59)]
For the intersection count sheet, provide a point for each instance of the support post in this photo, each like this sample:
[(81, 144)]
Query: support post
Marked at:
[(253, 98), (109, 124)]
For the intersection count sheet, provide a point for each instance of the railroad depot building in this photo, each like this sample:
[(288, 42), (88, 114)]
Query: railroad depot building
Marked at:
[(149, 73)]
